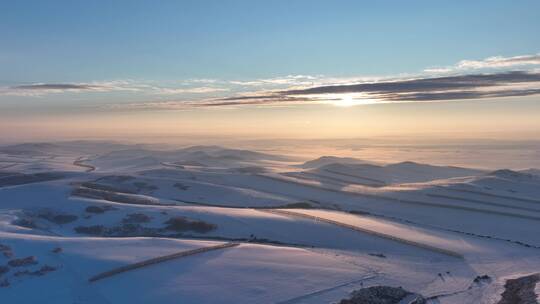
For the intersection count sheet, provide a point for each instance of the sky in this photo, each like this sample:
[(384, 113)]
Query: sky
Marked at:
[(263, 69)]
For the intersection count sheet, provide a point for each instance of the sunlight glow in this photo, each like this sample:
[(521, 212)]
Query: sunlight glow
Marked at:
[(348, 100)]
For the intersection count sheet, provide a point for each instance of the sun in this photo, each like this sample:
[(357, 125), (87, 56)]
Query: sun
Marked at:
[(350, 100), (345, 101)]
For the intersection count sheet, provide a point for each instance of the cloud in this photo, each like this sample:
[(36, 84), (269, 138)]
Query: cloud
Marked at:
[(495, 62), (39, 89), (289, 80), (465, 80), (209, 103), (460, 95), (197, 90), (473, 86), (424, 84), (500, 62), (426, 89), (202, 80), (61, 86)]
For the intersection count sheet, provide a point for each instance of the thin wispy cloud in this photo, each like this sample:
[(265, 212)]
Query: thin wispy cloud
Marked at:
[(495, 62), (40, 89), (291, 80), (196, 90), (209, 103), (59, 86), (424, 84), (468, 80), (420, 89)]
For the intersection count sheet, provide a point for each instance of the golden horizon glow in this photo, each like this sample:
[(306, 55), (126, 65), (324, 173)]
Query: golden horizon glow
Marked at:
[(342, 118)]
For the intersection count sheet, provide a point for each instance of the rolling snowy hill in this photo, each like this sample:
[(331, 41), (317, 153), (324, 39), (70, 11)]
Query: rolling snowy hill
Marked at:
[(207, 224)]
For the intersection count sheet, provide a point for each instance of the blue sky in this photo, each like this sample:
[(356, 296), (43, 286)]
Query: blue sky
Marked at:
[(63, 41), (66, 59)]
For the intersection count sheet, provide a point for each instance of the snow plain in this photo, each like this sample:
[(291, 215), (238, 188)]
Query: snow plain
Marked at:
[(307, 232)]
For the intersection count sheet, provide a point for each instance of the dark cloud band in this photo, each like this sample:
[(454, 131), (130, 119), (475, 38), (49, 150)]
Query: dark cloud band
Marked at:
[(474, 86), (461, 82), (60, 86)]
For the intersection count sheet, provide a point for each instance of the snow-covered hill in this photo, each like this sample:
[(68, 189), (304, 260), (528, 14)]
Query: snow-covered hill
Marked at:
[(208, 224)]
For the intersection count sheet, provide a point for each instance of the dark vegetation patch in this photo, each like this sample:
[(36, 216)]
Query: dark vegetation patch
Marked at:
[(40, 272), (96, 186), (113, 196), (381, 295), (300, 205), (21, 179), (31, 219), (144, 187), (120, 184), (520, 290), (29, 260), (184, 224), (359, 212), (22, 267), (132, 230), (57, 218), (181, 186), (92, 230), (124, 230), (131, 227), (25, 222), (507, 173), (6, 251), (28, 218), (99, 209), (482, 278), (136, 218), (3, 269)]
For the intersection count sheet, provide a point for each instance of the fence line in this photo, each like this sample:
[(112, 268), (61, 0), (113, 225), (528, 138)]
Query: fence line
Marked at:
[(160, 259)]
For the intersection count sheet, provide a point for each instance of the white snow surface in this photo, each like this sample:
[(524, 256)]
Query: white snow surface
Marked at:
[(363, 225)]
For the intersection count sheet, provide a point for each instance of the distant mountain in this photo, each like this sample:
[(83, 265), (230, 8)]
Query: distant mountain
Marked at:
[(234, 154), (32, 149), (511, 174), (327, 160), (65, 148), (532, 171), (202, 156), (404, 172)]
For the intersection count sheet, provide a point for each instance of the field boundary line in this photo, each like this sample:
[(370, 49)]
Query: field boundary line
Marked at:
[(160, 259)]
